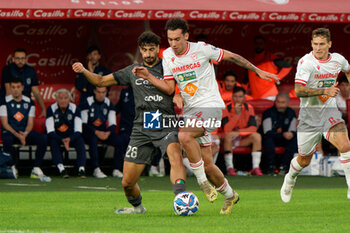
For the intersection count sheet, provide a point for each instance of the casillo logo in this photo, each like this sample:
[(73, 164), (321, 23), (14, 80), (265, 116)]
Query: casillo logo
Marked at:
[(52, 30), (83, 13), (167, 15), (218, 29), (271, 28), (49, 92), (133, 14), (34, 59), (11, 14), (200, 15), (190, 89), (48, 14)]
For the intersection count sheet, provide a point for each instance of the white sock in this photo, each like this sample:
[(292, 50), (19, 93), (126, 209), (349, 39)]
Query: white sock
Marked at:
[(256, 157), (60, 167), (294, 169), (215, 157), (345, 163), (228, 160), (186, 163), (38, 171), (198, 171), (225, 189), (81, 168)]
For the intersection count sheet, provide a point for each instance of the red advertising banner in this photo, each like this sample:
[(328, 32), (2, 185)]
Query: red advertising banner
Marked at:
[(54, 45)]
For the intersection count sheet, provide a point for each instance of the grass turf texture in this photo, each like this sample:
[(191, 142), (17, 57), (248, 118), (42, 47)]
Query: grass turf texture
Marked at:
[(318, 204)]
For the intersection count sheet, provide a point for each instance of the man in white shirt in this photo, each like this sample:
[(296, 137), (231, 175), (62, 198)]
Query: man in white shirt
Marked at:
[(190, 66), (315, 84)]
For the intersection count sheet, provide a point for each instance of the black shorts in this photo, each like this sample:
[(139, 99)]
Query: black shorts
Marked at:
[(142, 148)]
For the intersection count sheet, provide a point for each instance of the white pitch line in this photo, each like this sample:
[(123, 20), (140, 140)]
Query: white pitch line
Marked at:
[(15, 184), (97, 188)]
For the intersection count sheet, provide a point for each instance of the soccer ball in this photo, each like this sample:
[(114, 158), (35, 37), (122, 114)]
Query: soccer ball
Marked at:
[(185, 203)]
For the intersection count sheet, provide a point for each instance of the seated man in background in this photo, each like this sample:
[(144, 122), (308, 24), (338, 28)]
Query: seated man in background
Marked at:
[(64, 126), (226, 86), (19, 68), (93, 57), (279, 129), (99, 123), (240, 129), (17, 119)]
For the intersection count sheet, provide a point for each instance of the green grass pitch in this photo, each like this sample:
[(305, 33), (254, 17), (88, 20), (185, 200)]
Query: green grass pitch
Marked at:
[(318, 204)]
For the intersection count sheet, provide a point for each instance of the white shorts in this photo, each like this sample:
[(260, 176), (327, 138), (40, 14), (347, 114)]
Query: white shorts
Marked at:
[(209, 117), (309, 136)]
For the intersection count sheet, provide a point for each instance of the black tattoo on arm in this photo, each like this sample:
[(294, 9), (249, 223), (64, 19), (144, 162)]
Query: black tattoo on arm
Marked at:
[(303, 91), (241, 61)]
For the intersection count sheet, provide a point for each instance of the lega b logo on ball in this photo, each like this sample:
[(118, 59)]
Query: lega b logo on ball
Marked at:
[(185, 203)]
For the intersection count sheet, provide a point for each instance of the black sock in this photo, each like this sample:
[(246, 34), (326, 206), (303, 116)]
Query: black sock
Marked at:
[(134, 201)]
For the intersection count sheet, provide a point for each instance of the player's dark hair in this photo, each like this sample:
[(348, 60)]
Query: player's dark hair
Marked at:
[(230, 73), (177, 23), (238, 89), (20, 50), (15, 80), (148, 37), (323, 32), (93, 48), (343, 79)]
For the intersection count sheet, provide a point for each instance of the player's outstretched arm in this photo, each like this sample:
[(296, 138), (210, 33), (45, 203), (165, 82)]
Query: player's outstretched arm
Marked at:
[(94, 79), (304, 91), (241, 61), (166, 86)]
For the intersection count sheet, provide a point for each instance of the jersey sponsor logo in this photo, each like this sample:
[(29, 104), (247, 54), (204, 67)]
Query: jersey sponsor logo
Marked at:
[(154, 98), (186, 67), (186, 76), (18, 116), (63, 128), (324, 76), (97, 122), (194, 56), (323, 98), (325, 83), (190, 89), (151, 120)]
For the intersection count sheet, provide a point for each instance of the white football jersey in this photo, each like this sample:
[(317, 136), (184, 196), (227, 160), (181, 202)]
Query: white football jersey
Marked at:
[(194, 74), (314, 73)]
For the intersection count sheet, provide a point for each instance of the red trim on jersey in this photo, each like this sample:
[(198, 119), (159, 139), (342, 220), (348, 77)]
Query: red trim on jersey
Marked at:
[(300, 81), (323, 61), (168, 77), (221, 55), (345, 161), (188, 45)]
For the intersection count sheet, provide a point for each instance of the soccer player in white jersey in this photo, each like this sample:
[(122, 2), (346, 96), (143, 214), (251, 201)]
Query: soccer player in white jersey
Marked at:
[(315, 84), (189, 64)]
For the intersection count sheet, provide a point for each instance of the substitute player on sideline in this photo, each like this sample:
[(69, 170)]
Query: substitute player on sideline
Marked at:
[(189, 64), (144, 142), (315, 84)]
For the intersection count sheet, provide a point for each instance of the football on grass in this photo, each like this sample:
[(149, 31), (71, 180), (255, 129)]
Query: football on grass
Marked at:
[(185, 203)]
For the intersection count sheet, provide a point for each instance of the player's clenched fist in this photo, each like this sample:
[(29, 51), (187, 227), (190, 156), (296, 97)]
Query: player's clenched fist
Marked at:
[(78, 67)]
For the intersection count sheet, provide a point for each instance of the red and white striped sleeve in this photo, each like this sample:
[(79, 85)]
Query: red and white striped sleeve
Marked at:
[(303, 72)]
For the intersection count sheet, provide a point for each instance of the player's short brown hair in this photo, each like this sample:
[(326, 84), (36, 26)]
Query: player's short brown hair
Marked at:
[(176, 23), (147, 38), (323, 32)]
